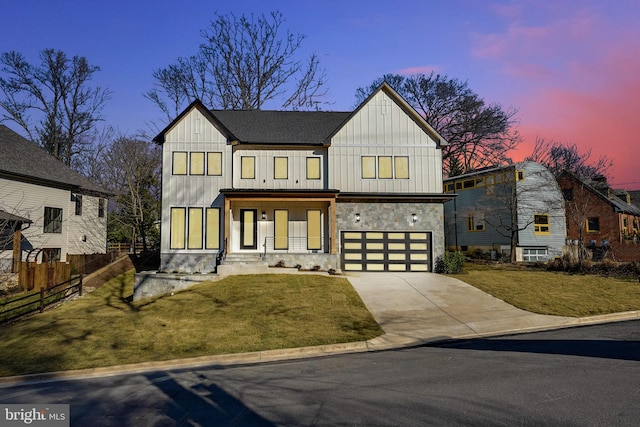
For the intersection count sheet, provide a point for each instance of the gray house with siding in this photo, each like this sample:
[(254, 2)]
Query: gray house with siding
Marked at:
[(58, 211), (521, 201), (352, 191)]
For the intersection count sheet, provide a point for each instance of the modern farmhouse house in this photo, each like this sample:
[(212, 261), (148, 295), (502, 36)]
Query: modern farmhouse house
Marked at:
[(495, 205), (58, 211), (352, 191)]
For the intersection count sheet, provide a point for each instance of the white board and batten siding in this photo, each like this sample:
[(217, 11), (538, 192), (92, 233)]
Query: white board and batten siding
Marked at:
[(194, 133), (265, 163), (382, 128)]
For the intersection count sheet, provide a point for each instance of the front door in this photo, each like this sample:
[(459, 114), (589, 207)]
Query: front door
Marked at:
[(248, 229)]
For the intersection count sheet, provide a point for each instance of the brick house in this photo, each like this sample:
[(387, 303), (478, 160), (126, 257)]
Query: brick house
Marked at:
[(603, 219)]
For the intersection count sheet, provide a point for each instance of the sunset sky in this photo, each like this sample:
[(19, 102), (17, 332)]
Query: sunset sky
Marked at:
[(571, 68)]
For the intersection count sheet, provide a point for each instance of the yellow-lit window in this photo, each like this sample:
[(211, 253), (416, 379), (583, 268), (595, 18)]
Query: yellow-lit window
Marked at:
[(281, 229), (313, 167), (179, 163), (196, 163), (314, 229), (194, 236), (248, 167), (214, 164), (368, 167), (385, 167), (212, 230), (177, 228), (475, 221), (519, 175), (541, 224), (401, 167), (280, 168)]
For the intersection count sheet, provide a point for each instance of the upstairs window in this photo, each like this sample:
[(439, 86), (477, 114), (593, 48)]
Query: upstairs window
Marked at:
[(179, 163), (368, 167), (77, 198), (313, 167), (519, 175), (385, 167), (248, 167), (280, 168), (52, 220), (101, 209), (196, 163), (214, 163), (541, 224)]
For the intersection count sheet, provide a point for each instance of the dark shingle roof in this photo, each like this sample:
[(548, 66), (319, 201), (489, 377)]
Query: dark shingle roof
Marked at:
[(281, 127), (6, 216), (24, 160)]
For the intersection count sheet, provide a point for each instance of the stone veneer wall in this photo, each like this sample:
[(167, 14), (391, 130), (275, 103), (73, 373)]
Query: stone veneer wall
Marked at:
[(394, 216), (321, 262), (189, 262)]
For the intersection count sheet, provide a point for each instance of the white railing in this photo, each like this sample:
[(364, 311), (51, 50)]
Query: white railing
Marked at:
[(298, 245)]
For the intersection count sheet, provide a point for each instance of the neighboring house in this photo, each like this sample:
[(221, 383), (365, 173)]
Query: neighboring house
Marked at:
[(600, 217), (357, 190), (61, 212), (518, 205)]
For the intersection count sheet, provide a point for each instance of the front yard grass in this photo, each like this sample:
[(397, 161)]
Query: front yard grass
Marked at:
[(236, 314), (555, 293)]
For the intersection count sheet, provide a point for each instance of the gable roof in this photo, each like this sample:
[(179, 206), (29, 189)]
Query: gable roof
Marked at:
[(404, 106), (618, 204), (291, 127), (23, 160)]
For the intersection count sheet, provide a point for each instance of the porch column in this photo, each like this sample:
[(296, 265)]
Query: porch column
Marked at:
[(17, 249), (333, 226)]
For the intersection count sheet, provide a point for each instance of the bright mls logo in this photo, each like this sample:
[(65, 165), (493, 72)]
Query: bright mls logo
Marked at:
[(37, 415)]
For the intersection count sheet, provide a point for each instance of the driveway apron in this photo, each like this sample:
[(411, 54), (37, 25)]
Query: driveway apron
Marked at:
[(419, 307)]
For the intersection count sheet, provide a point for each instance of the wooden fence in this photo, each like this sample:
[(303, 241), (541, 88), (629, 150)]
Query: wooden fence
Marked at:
[(13, 308), (125, 248), (88, 263), (43, 275)]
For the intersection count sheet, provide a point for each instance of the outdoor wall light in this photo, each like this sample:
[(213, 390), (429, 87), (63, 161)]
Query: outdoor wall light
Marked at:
[(414, 218), (264, 215), (357, 217)]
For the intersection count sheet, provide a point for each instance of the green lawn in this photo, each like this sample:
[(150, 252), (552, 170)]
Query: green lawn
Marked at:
[(554, 293), (236, 314)]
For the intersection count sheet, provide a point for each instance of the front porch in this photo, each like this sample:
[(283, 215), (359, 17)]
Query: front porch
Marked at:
[(286, 229)]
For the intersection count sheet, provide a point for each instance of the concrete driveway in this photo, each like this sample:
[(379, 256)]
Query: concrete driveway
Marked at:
[(419, 307)]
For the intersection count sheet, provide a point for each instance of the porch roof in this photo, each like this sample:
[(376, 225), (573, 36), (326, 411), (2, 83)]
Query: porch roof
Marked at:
[(254, 194)]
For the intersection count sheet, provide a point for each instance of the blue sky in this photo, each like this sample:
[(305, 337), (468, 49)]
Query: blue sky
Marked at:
[(569, 67)]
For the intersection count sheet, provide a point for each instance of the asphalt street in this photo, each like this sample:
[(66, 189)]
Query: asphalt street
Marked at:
[(581, 376)]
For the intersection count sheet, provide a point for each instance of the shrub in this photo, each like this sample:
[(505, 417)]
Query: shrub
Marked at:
[(450, 263)]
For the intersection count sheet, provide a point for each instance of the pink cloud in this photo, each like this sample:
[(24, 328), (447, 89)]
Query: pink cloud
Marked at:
[(602, 118)]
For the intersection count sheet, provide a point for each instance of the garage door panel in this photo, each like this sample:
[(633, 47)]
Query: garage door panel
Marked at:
[(386, 251)]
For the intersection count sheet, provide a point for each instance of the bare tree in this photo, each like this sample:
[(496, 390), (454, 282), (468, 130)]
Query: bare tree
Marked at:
[(479, 134), (52, 101), (242, 64), (559, 157), (131, 170)]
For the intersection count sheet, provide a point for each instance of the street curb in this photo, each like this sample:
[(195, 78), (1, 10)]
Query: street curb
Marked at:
[(265, 356)]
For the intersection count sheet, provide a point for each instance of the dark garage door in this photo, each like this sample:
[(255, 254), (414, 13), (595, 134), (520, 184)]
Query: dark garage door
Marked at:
[(386, 250)]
